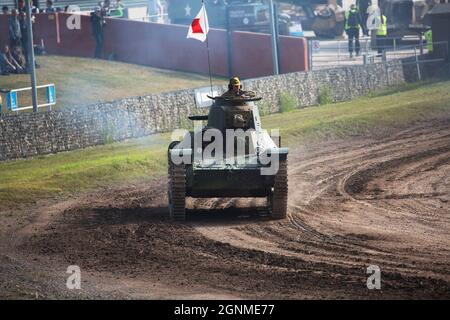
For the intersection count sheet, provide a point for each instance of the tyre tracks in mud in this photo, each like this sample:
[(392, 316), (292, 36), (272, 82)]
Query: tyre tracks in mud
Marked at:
[(352, 203), (331, 221)]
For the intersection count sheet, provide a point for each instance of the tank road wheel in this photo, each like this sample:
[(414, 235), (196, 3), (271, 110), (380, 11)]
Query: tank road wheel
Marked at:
[(277, 200), (176, 189)]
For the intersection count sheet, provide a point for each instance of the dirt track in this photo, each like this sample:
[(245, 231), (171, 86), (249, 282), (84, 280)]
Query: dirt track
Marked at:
[(355, 203)]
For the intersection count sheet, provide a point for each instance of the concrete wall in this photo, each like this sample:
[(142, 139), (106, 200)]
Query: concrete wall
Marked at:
[(30, 134), (166, 46)]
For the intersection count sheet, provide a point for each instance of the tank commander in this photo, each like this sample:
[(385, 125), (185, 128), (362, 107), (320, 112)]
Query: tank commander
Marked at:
[(235, 90)]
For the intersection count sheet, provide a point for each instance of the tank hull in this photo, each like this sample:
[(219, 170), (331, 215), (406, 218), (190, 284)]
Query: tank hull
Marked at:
[(221, 182)]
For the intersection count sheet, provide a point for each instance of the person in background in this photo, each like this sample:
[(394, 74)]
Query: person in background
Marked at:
[(5, 10), (24, 27), (155, 10), (7, 62), (15, 34), (119, 4), (24, 31), (352, 26), (22, 8), (34, 9), (106, 8), (382, 34), (118, 9), (18, 55), (363, 6), (429, 38), (50, 8), (98, 23)]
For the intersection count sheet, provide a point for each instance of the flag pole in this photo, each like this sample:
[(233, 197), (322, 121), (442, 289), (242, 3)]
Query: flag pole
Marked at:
[(207, 49), (30, 58)]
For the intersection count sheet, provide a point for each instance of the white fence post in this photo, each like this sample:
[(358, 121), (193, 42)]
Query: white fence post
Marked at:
[(419, 76)]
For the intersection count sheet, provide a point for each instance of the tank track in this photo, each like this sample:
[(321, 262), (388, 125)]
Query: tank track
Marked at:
[(176, 189), (277, 200)]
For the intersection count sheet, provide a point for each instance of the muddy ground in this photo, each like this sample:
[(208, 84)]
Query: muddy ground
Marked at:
[(381, 200)]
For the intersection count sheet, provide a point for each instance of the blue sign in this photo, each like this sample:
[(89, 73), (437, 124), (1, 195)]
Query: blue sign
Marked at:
[(50, 94), (11, 101)]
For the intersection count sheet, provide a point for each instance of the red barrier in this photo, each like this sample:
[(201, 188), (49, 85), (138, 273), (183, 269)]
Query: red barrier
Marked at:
[(166, 46)]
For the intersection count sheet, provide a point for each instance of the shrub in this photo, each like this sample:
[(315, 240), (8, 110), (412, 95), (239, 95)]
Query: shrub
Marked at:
[(264, 108), (187, 124), (288, 102), (325, 96), (108, 134)]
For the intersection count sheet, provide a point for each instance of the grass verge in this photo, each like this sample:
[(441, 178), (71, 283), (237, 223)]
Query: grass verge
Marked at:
[(25, 181)]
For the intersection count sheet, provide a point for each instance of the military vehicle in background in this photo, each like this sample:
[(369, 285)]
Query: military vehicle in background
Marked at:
[(242, 15), (228, 170), (324, 17), (407, 17)]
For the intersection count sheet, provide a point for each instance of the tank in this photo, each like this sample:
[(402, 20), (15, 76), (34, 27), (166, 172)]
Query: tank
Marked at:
[(325, 17), (230, 156), (242, 15), (407, 17)]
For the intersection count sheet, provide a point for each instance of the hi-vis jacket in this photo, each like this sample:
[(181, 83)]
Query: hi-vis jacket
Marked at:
[(382, 30), (347, 16)]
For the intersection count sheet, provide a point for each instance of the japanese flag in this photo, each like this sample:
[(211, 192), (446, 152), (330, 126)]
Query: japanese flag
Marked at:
[(199, 27)]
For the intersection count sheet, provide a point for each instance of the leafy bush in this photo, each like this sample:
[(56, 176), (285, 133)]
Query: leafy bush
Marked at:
[(325, 96), (264, 108), (187, 124), (108, 134), (288, 102)]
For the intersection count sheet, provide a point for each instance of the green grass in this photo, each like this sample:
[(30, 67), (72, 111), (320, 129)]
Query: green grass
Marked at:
[(24, 181), (400, 88), (81, 81)]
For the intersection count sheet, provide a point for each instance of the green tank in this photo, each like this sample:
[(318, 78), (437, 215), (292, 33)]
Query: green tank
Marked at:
[(232, 156)]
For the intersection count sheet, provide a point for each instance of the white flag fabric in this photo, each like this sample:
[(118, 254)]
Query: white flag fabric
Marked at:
[(199, 27)]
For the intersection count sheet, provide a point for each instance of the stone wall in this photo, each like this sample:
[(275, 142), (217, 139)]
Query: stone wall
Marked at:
[(31, 134), (342, 83)]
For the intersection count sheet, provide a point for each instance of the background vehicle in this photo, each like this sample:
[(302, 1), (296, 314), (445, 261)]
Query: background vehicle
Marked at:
[(407, 17), (324, 17)]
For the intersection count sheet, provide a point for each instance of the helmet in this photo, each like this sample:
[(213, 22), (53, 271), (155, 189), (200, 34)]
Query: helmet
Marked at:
[(234, 82)]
